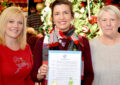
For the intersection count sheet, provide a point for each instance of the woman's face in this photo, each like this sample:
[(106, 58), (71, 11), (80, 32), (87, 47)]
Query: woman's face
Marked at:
[(62, 17), (14, 27), (109, 24)]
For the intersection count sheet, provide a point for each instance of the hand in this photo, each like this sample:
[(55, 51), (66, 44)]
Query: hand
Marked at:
[(42, 71)]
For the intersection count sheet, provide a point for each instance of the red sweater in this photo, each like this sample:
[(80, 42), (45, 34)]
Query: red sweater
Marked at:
[(88, 70), (15, 66)]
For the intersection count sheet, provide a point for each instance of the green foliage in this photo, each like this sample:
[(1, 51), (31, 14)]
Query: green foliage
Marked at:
[(84, 26), (4, 4)]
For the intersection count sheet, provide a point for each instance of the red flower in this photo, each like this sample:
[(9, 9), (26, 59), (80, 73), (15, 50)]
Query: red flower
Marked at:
[(93, 19)]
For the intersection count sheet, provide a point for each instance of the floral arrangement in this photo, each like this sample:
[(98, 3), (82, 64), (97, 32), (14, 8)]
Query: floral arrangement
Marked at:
[(4, 4), (85, 17)]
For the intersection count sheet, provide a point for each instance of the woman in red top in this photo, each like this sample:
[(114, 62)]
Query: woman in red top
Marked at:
[(15, 55), (62, 37)]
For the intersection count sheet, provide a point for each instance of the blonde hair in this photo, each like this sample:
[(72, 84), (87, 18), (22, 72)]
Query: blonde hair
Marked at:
[(4, 18), (110, 9)]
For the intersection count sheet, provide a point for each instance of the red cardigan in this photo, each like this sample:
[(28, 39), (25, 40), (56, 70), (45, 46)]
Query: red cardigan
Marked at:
[(88, 70)]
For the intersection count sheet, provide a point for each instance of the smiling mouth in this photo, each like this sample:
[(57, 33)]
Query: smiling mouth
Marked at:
[(15, 31), (108, 29), (62, 21)]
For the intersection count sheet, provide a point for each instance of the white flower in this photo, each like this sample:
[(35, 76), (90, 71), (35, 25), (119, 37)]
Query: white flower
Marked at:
[(85, 29), (76, 15), (82, 10)]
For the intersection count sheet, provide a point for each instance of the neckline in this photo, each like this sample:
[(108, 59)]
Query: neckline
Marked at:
[(117, 44), (12, 50)]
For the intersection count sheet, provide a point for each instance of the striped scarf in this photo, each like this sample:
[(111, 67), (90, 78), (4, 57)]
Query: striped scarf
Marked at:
[(57, 39)]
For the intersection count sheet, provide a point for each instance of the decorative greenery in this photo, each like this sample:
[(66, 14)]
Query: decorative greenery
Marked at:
[(84, 22), (4, 4)]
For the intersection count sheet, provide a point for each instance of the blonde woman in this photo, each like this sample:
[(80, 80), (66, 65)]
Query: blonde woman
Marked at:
[(15, 55)]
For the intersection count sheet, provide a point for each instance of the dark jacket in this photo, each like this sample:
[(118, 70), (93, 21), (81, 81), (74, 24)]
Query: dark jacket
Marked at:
[(88, 70)]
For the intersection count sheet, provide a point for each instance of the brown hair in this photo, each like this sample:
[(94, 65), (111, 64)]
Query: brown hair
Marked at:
[(59, 2)]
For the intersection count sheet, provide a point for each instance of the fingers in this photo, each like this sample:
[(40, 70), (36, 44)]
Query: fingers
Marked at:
[(42, 71)]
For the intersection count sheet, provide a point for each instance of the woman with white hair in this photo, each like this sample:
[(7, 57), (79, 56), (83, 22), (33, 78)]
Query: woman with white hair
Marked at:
[(105, 48)]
